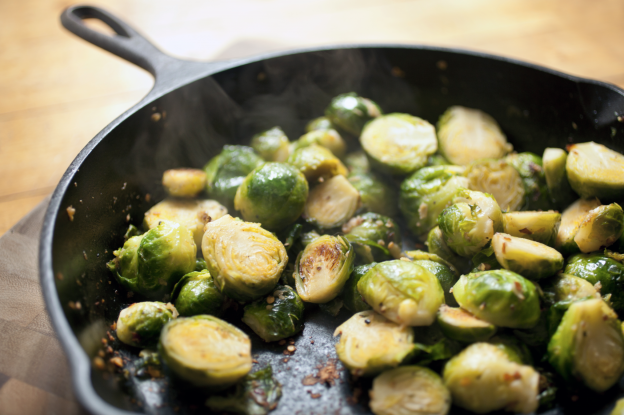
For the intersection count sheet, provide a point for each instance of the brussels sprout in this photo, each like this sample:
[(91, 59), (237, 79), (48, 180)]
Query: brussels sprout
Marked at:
[(272, 145), (409, 390), (308, 237), (595, 171), (588, 345), (540, 227), (184, 182), (245, 260), (619, 407), (554, 163), (196, 293), (316, 162), (370, 343), (418, 255), (375, 194), (205, 351), (437, 246), (277, 316), (140, 324), (375, 237), (350, 112), (571, 220), (516, 350), (529, 166), (444, 274), (403, 292), (399, 143), (443, 349), (351, 297), (200, 264), (566, 287), (460, 325), (331, 203), (357, 162), (426, 193), (256, 394), (320, 123), (290, 235), (132, 231), (604, 273), (485, 260), (329, 138), (466, 135), (470, 223), (437, 160), (498, 178), (530, 259), (600, 228), (274, 194), (225, 172), (500, 297), (151, 264), (193, 214), (323, 268), (482, 379)]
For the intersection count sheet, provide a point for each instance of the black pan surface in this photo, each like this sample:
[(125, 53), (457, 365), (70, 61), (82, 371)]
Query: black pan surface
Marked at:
[(202, 106)]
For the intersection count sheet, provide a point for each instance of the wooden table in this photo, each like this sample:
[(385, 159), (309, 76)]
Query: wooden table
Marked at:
[(57, 92)]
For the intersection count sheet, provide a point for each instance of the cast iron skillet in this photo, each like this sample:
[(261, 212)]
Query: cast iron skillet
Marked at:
[(195, 108)]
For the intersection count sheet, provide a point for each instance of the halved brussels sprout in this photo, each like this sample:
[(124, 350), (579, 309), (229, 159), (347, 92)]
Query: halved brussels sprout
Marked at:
[(323, 268), (320, 123), (443, 273), (274, 195), (460, 325), (530, 259), (498, 178), (403, 292), (245, 260), (600, 228), (399, 143), (205, 351), (409, 390), (351, 297), (376, 195), (595, 171), (328, 138), (426, 193), (470, 223), (350, 112), (225, 172), (272, 144), (194, 214), (540, 227), (375, 237), (256, 394), (604, 273), (140, 324), (184, 182), (316, 162), (529, 166), (482, 379), (566, 287), (331, 203), (571, 220), (370, 343), (500, 297), (436, 245), (588, 345), (196, 293), (151, 264), (554, 163), (466, 135), (277, 316), (357, 162)]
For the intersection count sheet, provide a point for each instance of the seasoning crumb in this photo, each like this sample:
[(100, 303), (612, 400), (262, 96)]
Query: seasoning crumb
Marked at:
[(311, 341), (269, 307), (84, 254), (254, 361), (128, 217), (282, 342), (285, 360), (124, 186), (147, 197), (70, 212), (156, 117), (315, 395), (291, 348), (98, 362), (398, 72), (270, 299), (59, 276)]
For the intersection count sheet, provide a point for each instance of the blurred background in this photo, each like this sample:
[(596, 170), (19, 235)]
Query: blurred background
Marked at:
[(57, 91)]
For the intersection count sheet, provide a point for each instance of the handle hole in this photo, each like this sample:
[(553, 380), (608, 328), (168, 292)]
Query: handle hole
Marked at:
[(99, 26)]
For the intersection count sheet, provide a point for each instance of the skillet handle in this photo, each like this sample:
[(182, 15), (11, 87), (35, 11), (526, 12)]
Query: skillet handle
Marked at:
[(128, 44)]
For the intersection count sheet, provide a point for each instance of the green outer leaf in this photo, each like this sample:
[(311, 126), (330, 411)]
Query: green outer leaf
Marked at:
[(371, 235), (271, 145), (280, 319), (351, 297), (598, 268), (437, 246), (196, 293), (554, 163), (376, 195), (140, 324), (350, 112), (125, 265), (531, 171), (444, 274)]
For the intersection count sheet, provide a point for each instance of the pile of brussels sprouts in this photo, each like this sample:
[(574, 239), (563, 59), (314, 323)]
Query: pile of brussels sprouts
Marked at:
[(511, 301)]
